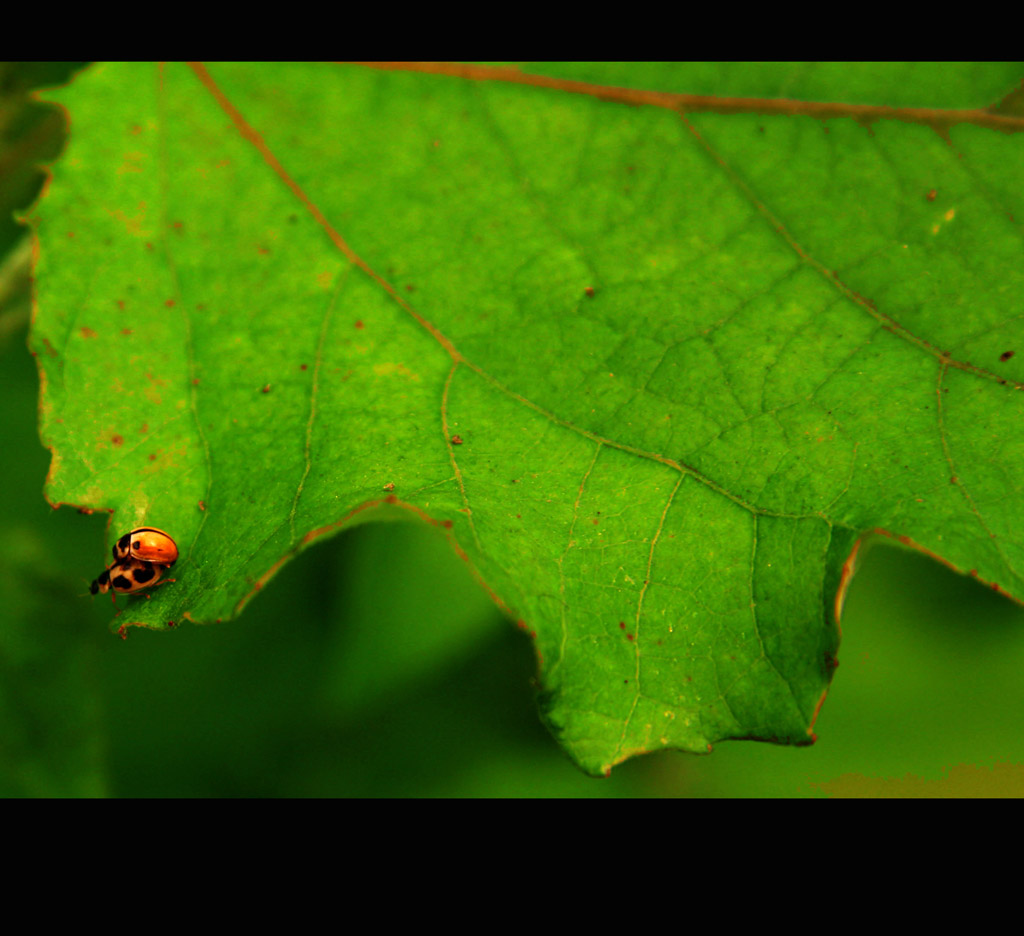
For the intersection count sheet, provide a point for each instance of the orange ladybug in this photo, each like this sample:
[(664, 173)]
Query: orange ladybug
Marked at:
[(148, 544), (127, 576)]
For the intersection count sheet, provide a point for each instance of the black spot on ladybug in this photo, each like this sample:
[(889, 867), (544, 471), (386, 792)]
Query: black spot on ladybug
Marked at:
[(122, 543), (114, 550), (122, 582), (104, 577), (143, 574), (136, 544)]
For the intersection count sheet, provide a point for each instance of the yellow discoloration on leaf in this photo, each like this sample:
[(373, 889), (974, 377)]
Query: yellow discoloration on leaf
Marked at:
[(132, 162), (105, 438), (151, 392), (166, 459), (134, 224), (93, 496), (946, 218), (391, 369)]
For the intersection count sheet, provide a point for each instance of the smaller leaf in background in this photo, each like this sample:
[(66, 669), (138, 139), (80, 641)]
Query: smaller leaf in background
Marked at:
[(30, 133)]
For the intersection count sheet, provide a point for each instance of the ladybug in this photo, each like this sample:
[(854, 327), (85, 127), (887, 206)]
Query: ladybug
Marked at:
[(127, 576), (148, 544)]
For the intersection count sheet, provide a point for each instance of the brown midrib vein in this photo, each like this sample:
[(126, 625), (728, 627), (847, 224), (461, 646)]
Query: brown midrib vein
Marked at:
[(935, 117), (695, 103), (255, 139), (252, 136)]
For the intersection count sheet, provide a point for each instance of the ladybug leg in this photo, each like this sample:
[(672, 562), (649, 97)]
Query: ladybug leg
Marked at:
[(161, 582), (158, 584)]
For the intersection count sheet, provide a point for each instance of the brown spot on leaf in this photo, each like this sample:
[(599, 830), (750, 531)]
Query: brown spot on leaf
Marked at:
[(390, 486), (116, 439), (202, 505), (266, 388), (169, 303), (589, 290), (87, 332), (931, 195), (1006, 355), (359, 324), (456, 440)]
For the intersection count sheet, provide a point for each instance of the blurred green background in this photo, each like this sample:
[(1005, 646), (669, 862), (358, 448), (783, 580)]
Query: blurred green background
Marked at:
[(374, 666)]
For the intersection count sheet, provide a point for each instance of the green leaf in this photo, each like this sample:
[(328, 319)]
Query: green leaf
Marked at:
[(654, 364)]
